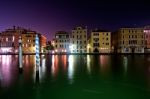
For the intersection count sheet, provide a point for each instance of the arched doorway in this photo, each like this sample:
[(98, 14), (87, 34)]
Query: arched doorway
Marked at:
[(96, 50), (132, 50)]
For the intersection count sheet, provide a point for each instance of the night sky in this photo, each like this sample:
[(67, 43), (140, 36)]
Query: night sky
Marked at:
[(47, 16)]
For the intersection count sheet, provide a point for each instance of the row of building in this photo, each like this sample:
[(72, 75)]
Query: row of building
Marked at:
[(124, 40), (9, 40)]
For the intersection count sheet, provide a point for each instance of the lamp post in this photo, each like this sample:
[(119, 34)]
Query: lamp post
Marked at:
[(20, 55)]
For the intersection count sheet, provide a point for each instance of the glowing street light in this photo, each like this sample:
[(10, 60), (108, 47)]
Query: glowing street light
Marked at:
[(71, 47)]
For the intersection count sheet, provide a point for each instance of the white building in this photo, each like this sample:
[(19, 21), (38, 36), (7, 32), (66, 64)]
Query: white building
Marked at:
[(61, 42), (78, 40)]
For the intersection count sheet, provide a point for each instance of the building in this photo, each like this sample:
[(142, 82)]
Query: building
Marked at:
[(78, 40), (43, 40), (100, 42), (9, 39), (131, 40), (61, 42), (114, 42), (147, 38), (28, 42)]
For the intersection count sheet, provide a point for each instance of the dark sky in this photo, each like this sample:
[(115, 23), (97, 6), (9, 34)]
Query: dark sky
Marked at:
[(48, 16)]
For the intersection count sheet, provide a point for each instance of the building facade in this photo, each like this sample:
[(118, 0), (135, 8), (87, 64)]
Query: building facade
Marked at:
[(78, 40), (61, 42), (100, 42), (147, 38), (131, 40), (43, 41), (28, 42), (9, 39)]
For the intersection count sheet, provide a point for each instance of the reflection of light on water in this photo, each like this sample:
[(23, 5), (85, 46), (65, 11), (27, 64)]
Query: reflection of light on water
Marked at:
[(42, 67), (88, 64), (105, 64), (125, 64), (70, 68), (103, 60), (54, 68), (64, 62), (6, 70)]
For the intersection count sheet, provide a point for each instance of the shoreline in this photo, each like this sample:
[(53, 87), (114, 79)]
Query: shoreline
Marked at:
[(78, 54)]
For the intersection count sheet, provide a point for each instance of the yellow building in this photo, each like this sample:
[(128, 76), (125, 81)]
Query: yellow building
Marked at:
[(131, 40), (100, 42), (28, 42)]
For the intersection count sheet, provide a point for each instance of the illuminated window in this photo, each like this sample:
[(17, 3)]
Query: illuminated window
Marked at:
[(6, 39)]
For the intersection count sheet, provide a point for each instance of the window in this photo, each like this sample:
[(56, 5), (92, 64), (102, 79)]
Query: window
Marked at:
[(107, 43), (142, 42), (96, 34), (96, 39), (129, 36), (132, 36), (57, 36), (141, 36), (106, 38), (84, 36), (96, 44)]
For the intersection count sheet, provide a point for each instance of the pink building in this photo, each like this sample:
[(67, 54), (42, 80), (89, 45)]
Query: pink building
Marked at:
[(147, 37), (9, 39)]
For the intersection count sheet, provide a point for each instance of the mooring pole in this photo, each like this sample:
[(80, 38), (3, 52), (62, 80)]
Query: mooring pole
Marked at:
[(37, 56), (20, 55)]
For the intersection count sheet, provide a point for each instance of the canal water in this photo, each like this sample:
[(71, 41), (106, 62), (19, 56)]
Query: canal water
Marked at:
[(76, 77)]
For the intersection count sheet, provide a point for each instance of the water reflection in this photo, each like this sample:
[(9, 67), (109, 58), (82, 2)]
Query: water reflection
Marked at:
[(105, 64), (125, 64), (88, 64), (75, 68), (54, 67), (42, 69), (6, 70), (71, 68), (64, 62)]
